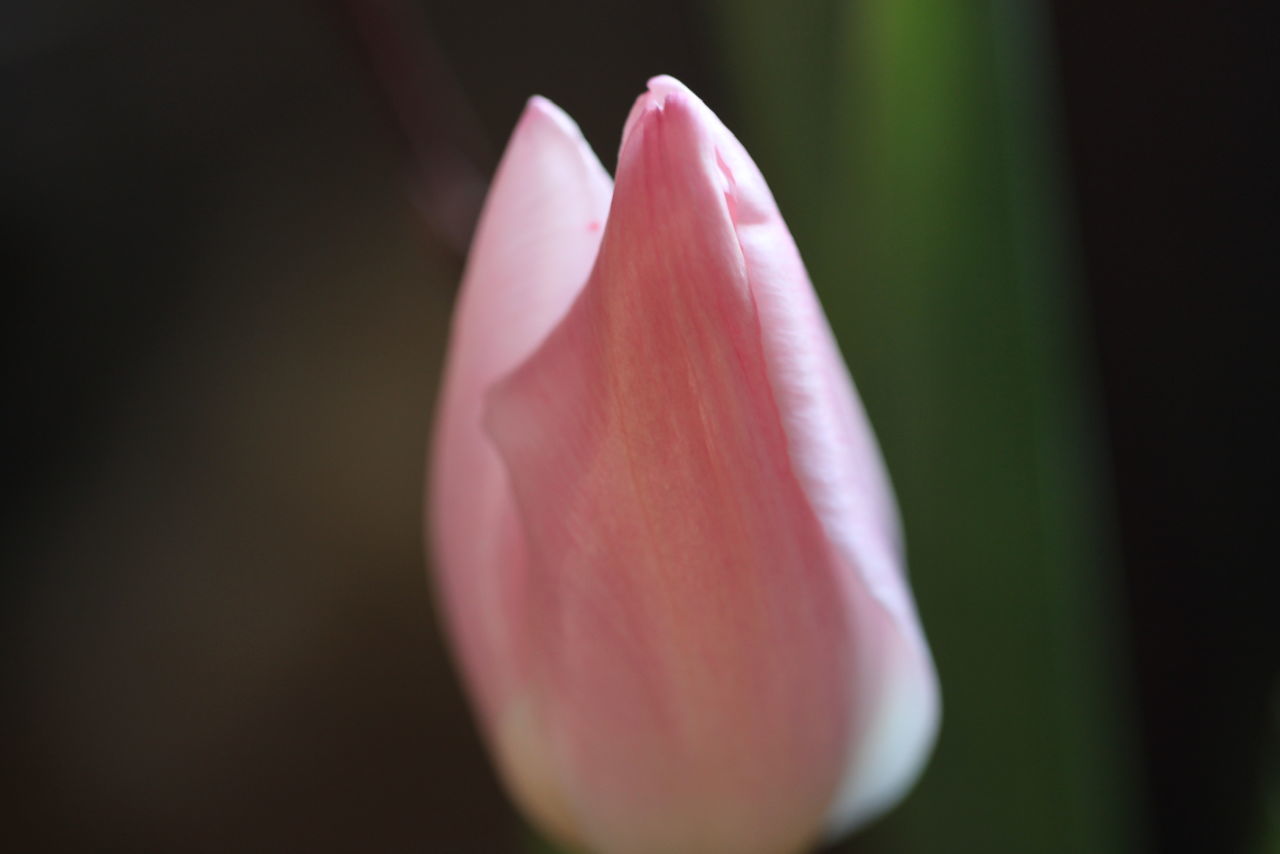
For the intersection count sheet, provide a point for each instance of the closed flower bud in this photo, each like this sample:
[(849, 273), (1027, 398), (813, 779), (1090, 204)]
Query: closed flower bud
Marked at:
[(668, 552)]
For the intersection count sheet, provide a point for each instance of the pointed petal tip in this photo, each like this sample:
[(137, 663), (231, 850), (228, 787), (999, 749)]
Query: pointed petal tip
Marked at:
[(540, 111), (659, 90), (662, 85), (677, 108)]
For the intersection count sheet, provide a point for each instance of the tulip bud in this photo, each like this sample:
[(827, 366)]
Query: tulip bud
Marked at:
[(668, 552)]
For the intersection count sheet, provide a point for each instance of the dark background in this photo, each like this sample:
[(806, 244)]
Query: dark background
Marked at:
[(1164, 116), (231, 235)]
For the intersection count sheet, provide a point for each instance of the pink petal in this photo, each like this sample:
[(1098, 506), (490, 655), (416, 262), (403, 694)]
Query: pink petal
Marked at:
[(689, 618), (837, 462), (534, 247)]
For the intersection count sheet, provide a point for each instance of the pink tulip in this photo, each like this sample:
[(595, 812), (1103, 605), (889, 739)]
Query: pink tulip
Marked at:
[(669, 553)]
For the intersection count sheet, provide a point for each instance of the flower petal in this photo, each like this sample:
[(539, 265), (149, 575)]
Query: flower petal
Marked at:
[(835, 457), (533, 250), (690, 628)]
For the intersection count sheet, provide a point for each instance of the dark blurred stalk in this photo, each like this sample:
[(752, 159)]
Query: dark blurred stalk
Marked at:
[(908, 148), (443, 137)]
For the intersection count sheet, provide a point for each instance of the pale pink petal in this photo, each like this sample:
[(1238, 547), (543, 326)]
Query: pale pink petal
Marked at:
[(689, 623), (534, 247), (834, 456)]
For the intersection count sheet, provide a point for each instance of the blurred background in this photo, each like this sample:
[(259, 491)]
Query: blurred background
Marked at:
[(232, 234)]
